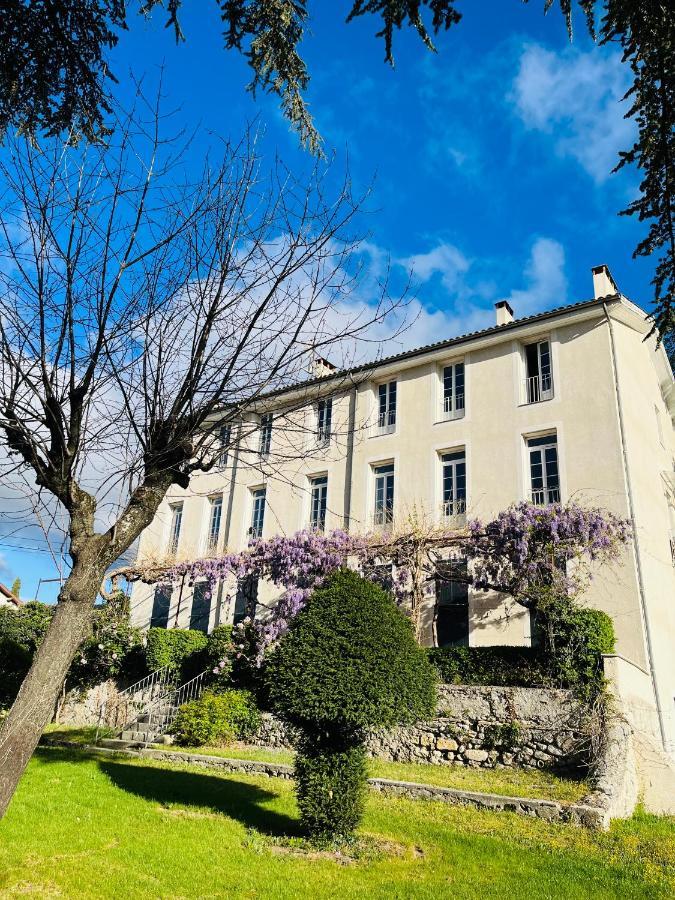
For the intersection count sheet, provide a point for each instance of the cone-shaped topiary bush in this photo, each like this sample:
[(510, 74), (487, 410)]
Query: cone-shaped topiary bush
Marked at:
[(348, 663)]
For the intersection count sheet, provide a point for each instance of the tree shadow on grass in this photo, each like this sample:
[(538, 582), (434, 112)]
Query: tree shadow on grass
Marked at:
[(236, 799)]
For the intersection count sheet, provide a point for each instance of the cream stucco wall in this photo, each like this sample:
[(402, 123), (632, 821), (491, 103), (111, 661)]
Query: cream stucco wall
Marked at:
[(583, 412)]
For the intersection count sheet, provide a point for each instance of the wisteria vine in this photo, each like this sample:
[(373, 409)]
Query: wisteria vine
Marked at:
[(528, 552)]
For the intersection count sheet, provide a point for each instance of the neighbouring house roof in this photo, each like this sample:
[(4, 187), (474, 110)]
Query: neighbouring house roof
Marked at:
[(9, 596)]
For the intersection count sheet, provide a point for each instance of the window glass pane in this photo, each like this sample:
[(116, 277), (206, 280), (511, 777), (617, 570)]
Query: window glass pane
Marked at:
[(201, 607), (161, 603), (247, 598), (452, 612), (224, 440), (265, 434), (258, 517), (176, 521), (215, 515)]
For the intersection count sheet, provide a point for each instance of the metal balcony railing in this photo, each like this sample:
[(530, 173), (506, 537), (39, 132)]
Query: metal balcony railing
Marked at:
[(545, 496), (453, 407), (383, 518), (386, 422), (537, 388), (453, 509)]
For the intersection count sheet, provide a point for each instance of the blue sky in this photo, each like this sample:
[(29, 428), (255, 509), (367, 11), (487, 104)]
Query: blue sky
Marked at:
[(491, 159)]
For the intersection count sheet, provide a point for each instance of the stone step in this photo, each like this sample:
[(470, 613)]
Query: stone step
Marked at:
[(114, 744), (139, 737)]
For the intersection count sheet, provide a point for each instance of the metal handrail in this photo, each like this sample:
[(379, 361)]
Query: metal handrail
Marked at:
[(162, 711), (538, 388), (127, 705)]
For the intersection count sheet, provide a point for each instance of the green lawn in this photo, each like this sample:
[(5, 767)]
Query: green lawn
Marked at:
[(92, 827), (532, 783)]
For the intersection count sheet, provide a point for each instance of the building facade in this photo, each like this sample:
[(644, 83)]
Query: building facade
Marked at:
[(576, 403)]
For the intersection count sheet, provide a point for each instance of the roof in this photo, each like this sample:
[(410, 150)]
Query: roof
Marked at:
[(447, 343), (8, 595)]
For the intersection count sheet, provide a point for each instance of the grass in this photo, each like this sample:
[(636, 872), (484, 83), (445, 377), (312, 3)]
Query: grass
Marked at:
[(75, 735), (533, 783), (91, 827)]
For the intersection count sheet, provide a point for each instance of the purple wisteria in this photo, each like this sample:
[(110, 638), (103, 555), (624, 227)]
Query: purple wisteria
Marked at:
[(528, 552), (532, 552)]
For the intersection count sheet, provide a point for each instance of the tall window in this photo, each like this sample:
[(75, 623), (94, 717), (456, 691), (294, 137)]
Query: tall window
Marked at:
[(324, 421), (453, 391), (318, 502), (246, 599), (201, 607), (161, 601), (386, 398), (265, 434), (258, 513), (454, 483), (539, 380), (544, 479), (224, 437), (215, 516), (384, 494), (176, 522), (452, 611)]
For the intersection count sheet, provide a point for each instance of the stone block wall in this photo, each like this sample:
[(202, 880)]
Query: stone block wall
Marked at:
[(480, 726)]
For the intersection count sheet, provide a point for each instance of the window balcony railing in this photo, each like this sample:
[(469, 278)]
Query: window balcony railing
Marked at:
[(453, 407), (454, 511), (546, 496), (537, 388), (323, 437), (386, 422), (383, 518)]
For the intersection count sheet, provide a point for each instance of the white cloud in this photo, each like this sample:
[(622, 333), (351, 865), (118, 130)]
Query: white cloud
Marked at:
[(575, 97), (444, 260), (545, 279)]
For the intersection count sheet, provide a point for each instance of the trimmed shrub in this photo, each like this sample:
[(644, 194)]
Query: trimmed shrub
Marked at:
[(570, 656), (503, 666), (216, 718), (348, 663), (330, 788), (176, 648), (21, 633)]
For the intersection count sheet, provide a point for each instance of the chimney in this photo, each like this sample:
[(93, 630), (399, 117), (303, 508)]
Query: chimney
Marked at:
[(322, 367), (504, 312), (603, 283)]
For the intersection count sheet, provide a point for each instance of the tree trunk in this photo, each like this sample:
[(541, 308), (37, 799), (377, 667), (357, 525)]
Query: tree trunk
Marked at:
[(34, 705)]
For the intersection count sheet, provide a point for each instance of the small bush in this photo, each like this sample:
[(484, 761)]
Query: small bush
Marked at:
[(216, 719), (217, 654), (349, 662), (21, 633), (502, 666), (176, 648), (331, 788)]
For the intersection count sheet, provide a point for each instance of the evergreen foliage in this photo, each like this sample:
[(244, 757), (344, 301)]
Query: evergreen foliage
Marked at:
[(348, 663), (216, 718), (176, 648)]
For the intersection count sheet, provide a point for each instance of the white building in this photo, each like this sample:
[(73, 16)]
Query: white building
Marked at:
[(572, 403)]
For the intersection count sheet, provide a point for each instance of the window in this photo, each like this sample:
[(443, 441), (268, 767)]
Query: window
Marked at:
[(539, 375), (247, 598), (258, 514), (384, 495), (386, 415), (454, 483), (201, 607), (161, 601), (215, 515), (318, 501), (452, 610), (544, 480), (324, 421), (224, 438), (176, 521), (453, 391), (265, 434)]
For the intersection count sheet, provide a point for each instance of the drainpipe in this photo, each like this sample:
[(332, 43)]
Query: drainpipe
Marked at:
[(349, 461), (228, 517), (636, 537)]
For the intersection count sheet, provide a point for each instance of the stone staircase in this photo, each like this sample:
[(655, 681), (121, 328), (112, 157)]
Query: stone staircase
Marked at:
[(150, 725)]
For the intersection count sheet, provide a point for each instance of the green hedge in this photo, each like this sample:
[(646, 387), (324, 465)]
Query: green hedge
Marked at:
[(21, 633), (570, 656), (216, 719), (177, 648)]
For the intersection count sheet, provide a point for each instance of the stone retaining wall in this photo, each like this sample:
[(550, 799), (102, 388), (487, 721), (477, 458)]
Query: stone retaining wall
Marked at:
[(479, 726)]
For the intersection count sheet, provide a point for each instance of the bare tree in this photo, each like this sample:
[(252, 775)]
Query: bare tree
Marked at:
[(139, 309)]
